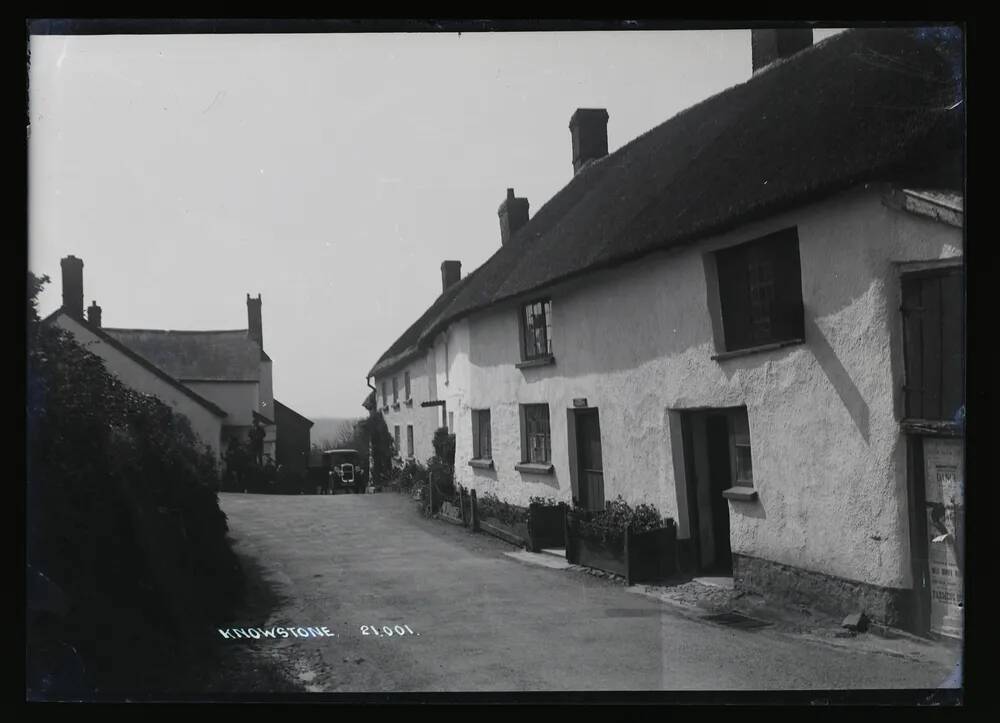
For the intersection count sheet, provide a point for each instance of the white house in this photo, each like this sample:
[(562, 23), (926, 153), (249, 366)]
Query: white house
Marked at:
[(220, 380), (751, 317)]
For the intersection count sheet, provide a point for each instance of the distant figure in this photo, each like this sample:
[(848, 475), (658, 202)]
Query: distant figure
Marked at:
[(257, 442)]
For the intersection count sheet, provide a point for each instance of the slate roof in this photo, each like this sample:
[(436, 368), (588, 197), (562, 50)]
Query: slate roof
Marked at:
[(864, 105), (102, 334), (196, 355)]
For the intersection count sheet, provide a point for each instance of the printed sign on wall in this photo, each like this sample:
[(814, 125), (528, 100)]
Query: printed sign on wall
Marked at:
[(943, 480)]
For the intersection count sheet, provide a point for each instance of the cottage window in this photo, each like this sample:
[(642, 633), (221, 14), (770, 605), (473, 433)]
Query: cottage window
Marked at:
[(406, 384), (760, 291), (395, 390), (396, 437), (934, 344), (385, 396), (742, 457), (482, 447), (409, 440), (536, 329), (537, 439)]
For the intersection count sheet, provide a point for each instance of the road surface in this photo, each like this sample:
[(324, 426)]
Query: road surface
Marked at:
[(482, 621)]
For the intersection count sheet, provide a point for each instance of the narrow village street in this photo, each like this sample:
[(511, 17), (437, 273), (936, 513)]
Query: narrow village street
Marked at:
[(484, 621)]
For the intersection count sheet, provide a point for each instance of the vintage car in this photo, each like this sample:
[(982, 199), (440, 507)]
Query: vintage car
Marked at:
[(345, 471)]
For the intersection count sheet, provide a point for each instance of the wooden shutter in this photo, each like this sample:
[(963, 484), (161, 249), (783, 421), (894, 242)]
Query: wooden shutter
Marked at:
[(786, 315), (734, 297)]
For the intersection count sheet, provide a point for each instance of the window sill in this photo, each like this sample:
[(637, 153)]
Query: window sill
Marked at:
[(740, 494), (481, 463), (534, 468), (395, 406), (541, 361), (756, 349), (408, 402), (385, 408)]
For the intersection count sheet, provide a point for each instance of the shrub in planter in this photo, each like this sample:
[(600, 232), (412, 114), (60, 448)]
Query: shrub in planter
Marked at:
[(634, 542), (503, 519)]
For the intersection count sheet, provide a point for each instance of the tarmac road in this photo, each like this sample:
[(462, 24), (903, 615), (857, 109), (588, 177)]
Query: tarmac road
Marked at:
[(482, 621)]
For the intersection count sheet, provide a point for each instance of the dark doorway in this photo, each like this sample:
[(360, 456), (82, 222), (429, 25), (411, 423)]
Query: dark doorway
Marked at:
[(716, 449), (591, 465), (719, 479)]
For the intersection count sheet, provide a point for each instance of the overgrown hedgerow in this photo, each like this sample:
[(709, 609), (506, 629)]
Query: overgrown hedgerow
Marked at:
[(122, 514)]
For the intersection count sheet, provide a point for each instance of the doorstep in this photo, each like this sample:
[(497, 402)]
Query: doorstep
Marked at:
[(559, 552), (540, 559), (726, 583)]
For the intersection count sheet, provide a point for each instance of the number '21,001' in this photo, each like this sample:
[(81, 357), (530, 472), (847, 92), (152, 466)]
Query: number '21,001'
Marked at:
[(387, 631)]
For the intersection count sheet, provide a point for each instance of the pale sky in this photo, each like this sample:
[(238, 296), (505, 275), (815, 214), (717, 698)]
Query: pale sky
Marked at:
[(331, 173)]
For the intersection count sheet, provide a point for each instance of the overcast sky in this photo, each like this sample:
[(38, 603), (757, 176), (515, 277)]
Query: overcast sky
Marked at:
[(330, 173)]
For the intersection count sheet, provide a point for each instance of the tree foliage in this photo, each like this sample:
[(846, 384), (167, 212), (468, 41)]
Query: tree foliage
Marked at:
[(122, 511)]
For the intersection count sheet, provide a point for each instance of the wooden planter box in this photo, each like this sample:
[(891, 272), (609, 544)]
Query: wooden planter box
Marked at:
[(636, 556), (516, 534), (546, 527)]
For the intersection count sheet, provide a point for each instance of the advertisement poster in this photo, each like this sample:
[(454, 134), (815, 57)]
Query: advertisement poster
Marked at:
[(943, 480)]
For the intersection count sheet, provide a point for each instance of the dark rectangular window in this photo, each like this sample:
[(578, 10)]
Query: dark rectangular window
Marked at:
[(742, 457), (396, 437), (482, 447), (406, 384), (934, 344), (385, 396), (409, 440), (760, 291), (395, 390), (537, 437), (536, 329)]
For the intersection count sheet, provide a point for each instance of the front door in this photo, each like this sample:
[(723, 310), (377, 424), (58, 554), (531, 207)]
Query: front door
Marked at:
[(720, 478), (590, 463)]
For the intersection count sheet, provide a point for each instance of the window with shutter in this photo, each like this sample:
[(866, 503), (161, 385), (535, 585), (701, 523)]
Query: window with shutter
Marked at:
[(760, 291)]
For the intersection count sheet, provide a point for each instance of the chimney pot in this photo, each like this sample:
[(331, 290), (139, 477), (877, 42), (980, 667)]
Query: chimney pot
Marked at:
[(451, 272), (770, 44), (513, 213), (589, 130), (94, 314), (72, 286)]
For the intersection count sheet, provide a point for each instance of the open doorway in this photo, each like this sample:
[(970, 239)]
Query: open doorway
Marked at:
[(717, 459)]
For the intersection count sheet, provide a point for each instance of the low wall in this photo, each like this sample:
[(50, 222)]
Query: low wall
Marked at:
[(826, 593)]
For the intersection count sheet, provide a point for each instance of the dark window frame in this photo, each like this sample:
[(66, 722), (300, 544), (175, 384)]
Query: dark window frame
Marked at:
[(481, 450), (395, 390), (396, 439), (760, 291), (406, 384), (528, 435), (530, 351), (409, 441)]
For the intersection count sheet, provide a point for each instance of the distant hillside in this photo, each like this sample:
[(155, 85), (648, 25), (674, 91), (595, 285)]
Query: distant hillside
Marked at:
[(326, 430)]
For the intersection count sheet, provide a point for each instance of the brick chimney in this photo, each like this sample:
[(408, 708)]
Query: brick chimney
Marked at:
[(513, 213), (254, 326), (94, 314), (451, 272), (72, 286), (769, 45), (589, 128)]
